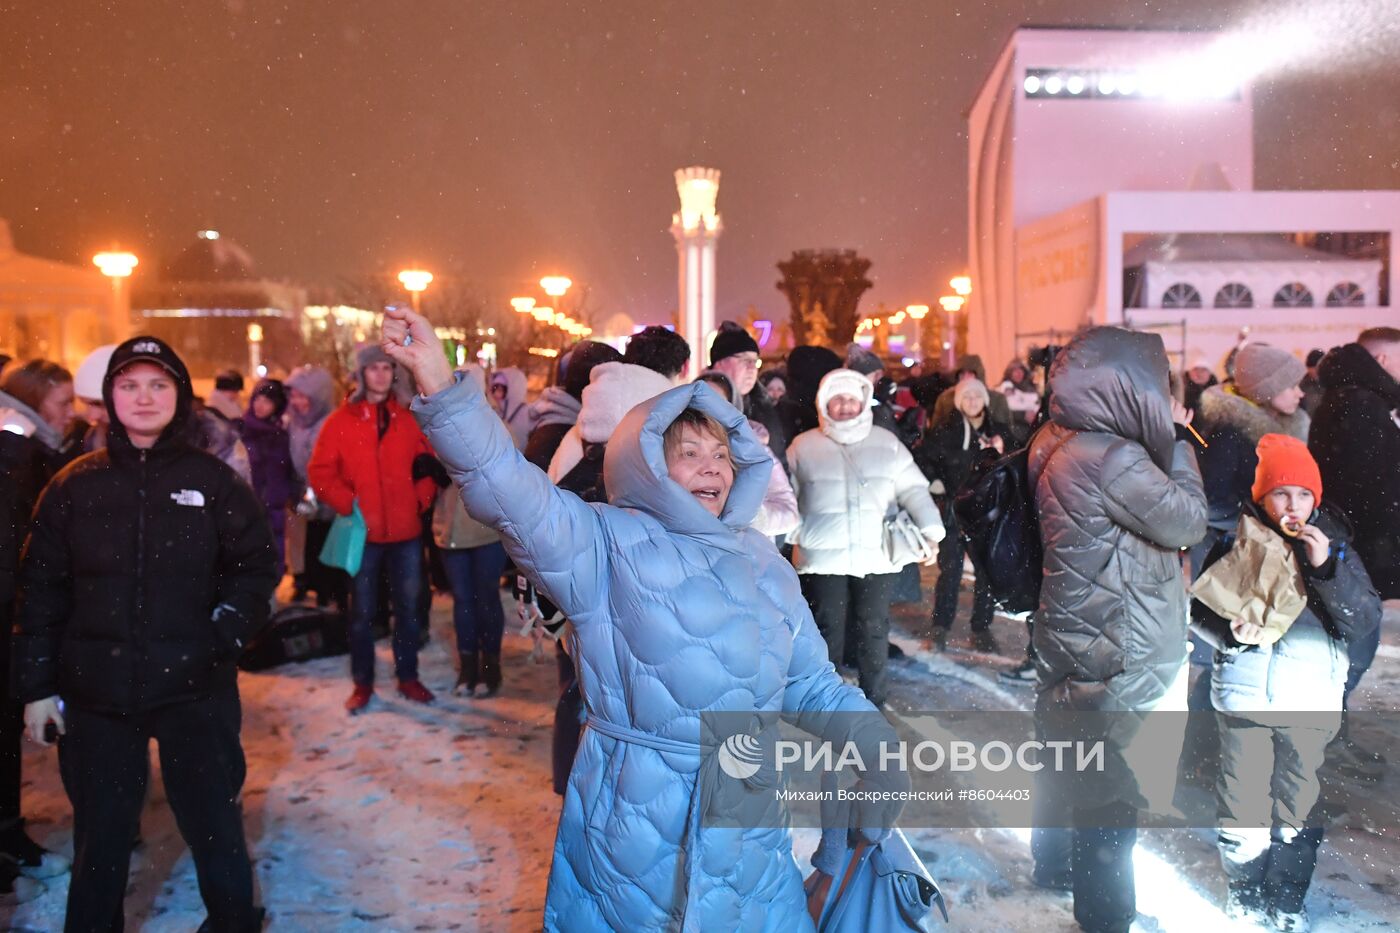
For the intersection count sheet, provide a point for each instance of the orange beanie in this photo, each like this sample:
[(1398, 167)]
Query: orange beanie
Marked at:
[(1285, 461)]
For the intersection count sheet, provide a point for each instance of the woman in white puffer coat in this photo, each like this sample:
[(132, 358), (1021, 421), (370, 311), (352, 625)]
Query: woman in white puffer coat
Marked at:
[(849, 477)]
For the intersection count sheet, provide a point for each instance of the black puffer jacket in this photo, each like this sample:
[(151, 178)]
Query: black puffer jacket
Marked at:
[(1356, 440), (144, 574), (1118, 496)]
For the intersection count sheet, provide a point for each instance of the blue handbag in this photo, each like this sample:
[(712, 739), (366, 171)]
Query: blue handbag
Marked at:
[(874, 887), (345, 542)]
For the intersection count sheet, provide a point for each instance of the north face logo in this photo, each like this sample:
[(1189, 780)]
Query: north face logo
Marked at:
[(192, 497), (145, 346)]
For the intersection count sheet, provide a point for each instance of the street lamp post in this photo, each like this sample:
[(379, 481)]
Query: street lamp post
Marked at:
[(952, 304), (415, 281), (117, 267)]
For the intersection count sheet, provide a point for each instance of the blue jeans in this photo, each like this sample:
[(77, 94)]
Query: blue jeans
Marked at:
[(404, 562), (474, 574)]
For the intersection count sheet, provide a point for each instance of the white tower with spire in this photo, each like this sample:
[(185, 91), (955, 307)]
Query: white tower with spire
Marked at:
[(696, 228)]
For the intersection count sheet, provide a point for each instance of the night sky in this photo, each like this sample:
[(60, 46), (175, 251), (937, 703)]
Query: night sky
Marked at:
[(503, 140)]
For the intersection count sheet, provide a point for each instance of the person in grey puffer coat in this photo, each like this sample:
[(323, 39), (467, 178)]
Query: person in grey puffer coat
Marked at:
[(679, 609), (1118, 494), (311, 398), (1280, 704)]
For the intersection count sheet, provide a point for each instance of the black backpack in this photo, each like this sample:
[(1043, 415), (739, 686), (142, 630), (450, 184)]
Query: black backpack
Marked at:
[(294, 634), (997, 515)]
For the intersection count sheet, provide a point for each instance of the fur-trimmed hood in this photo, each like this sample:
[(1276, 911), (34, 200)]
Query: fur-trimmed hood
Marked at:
[(1221, 408)]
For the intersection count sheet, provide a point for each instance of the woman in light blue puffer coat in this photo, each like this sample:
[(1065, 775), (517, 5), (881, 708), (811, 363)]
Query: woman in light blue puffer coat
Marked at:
[(677, 612)]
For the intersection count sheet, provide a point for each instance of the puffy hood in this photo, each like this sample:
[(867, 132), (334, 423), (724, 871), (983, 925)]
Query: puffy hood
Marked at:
[(515, 383), (316, 384), (972, 363), (615, 389), (402, 387), (1220, 407), (635, 474), (555, 406), (846, 382), (1352, 365), (1115, 381), (578, 369), (42, 431), (1027, 384)]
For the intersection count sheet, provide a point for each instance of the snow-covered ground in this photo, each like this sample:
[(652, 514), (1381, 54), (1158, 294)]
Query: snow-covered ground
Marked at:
[(442, 818)]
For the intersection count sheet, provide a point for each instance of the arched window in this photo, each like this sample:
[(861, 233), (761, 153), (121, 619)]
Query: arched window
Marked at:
[(1293, 295), (1346, 295), (1234, 295), (1181, 295)]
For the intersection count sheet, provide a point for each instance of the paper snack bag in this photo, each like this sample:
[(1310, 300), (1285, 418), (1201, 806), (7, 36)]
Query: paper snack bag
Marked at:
[(1258, 580)]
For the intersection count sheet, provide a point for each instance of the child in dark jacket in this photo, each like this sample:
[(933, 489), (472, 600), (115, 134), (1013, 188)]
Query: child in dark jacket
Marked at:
[(1279, 704), (270, 456)]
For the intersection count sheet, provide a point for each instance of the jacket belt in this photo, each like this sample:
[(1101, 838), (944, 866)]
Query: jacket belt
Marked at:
[(634, 737)]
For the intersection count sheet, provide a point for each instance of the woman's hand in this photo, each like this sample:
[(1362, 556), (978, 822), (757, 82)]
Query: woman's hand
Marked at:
[(1317, 543), (38, 715), (1181, 414), (409, 340), (1247, 633)]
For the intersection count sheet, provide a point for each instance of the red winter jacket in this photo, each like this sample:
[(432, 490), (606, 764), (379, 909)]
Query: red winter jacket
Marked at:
[(351, 462)]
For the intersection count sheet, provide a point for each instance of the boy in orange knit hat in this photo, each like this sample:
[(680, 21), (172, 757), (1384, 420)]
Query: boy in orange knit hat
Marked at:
[(1267, 847)]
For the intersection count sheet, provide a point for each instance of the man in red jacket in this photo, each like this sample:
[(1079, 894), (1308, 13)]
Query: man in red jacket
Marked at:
[(366, 454)]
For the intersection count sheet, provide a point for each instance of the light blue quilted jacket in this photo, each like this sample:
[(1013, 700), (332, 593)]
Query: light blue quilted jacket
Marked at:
[(676, 613)]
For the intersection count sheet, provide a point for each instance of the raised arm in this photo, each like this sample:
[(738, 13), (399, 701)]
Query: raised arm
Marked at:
[(1168, 509), (551, 534)]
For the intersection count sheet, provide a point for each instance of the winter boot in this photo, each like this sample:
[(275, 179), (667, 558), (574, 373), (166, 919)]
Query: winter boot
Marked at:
[(415, 691), (31, 859), (939, 642), (15, 889), (467, 674), (490, 675), (985, 642), (1245, 903), (359, 699), (1290, 922), (1023, 674)]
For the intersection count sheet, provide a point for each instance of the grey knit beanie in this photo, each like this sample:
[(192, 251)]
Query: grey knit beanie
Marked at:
[(1262, 372)]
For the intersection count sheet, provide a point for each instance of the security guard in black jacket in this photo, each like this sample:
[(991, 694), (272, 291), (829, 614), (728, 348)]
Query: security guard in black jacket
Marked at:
[(149, 565)]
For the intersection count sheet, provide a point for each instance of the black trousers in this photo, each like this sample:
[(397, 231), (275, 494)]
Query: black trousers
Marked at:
[(855, 608), (103, 762), (951, 551), (11, 732), (1099, 852)]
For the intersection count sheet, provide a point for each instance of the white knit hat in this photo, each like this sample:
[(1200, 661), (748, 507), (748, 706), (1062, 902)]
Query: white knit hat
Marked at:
[(87, 381)]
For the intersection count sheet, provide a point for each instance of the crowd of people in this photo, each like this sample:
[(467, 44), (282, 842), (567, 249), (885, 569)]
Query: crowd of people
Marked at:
[(731, 539)]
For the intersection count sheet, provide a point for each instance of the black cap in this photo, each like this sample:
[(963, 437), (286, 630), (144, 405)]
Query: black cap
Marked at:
[(146, 349), (731, 341), (1314, 357), (230, 380)]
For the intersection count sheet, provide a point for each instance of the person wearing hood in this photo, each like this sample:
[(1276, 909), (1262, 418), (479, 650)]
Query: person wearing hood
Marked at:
[(215, 434), (311, 397), (1356, 440), (370, 455), (557, 408), (270, 458), (35, 409), (778, 514), (734, 352), (1119, 495), (679, 610), (87, 389), (774, 384), (869, 365), (1264, 399), (613, 390), (970, 367), (806, 365), (508, 390), (1311, 384), (848, 476), (946, 455), (138, 629)]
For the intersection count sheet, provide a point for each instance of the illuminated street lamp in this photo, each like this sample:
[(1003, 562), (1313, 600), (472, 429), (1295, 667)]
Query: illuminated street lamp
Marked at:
[(415, 280), (961, 285), (117, 267), (952, 304), (255, 341), (555, 285), (522, 305), (917, 312)]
